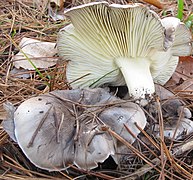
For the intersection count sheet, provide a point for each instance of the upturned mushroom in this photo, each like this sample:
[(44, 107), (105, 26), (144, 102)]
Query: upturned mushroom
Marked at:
[(120, 44), (61, 128)]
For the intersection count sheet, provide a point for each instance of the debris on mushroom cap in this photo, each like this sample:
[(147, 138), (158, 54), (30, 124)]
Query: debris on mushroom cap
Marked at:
[(174, 31), (64, 127), (177, 42), (107, 42), (126, 114), (169, 102), (98, 145), (38, 126)]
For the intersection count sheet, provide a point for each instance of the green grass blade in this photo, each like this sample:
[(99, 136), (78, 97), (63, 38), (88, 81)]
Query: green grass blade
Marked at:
[(180, 9), (103, 77), (29, 60)]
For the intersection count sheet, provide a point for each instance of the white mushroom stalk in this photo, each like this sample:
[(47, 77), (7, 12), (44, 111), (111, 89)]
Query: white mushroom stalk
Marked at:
[(138, 77), (114, 44)]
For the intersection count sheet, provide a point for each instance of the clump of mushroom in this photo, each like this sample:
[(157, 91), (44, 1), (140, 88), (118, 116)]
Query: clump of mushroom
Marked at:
[(64, 127), (121, 44)]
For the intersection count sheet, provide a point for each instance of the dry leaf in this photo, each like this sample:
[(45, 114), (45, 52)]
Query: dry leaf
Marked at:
[(181, 81), (9, 125), (56, 10), (186, 88), (185, 66), (156, 3), (40, 53), (20, 73), (58, 3)]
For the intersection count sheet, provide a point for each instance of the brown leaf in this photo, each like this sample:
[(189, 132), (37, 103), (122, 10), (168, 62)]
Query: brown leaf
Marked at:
[(40, 53), (156, 3), (182, 78), (59, 3), (185, 66)]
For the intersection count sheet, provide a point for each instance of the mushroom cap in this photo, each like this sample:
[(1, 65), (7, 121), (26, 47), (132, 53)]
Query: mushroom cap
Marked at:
[(172, 109), (97, 145), (62, 127), (171, 105), (181, 129), (121, 44), (101, 33), (45, 151), (177, 43), (127, 114), (54, 147)]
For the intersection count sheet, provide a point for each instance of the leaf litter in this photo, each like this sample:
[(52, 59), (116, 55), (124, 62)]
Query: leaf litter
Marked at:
[(165, 157), (41, 54)]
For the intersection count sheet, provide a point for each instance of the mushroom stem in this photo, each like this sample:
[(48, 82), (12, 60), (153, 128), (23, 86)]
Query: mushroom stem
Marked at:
[(138, 78)]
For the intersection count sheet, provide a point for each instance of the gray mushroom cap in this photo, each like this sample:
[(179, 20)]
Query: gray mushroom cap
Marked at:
[(176, 131), (127, 114), (175, 114), (118, 45), (64, 127)]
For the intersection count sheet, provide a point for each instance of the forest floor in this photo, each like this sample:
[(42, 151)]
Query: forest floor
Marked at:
[(25, 18)]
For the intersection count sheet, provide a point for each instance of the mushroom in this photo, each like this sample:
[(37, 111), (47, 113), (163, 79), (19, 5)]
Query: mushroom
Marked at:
[(127, 114), (176, 131), (65, 127), (177, 117), (178, 40), (117, 45)]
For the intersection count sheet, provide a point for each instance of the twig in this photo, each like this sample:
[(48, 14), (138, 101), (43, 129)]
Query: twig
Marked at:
[(183, 148), (162, 144), (139, 154), (77, 124), (38, 128), (56, 124), (60, 125), (156, 3), (97, 174)]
